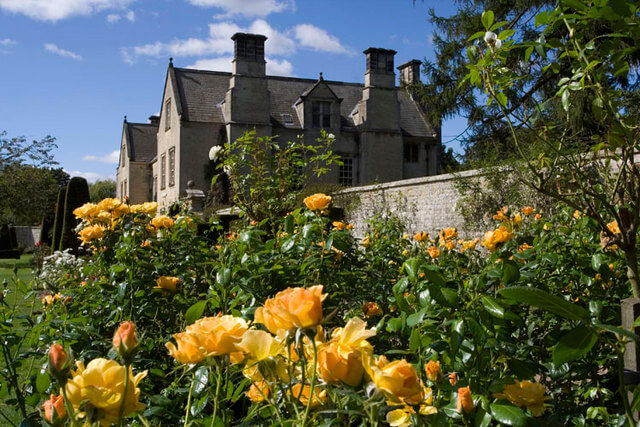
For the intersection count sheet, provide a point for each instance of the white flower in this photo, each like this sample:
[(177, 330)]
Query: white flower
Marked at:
[(490, 37), (497, 45), (227, 169), (214, 152), (331, 136)]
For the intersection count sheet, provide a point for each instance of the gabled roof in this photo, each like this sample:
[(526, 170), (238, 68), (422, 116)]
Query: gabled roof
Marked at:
[(201, 93), (141, 140)]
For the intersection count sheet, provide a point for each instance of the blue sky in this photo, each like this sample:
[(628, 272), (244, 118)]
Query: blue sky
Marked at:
[(73, 68)]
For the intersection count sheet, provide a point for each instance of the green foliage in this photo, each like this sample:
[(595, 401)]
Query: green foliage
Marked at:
[(25, 193), (77, 194), (17, 151), (266, 177), (102, 189)]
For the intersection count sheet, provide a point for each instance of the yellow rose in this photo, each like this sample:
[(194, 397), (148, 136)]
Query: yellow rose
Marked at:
[(317, 202), (188, 349), (259, 345), (469, 244), (465, 400), (109, 204), (148, 207), (397, 380), (218, 335), (168, 283), (400, 417), (525, 393), (493, 238), (86, 211), (340, 359), (258, 391), (102, 385), (517, 219), (92, 232), (433, 370), (302, 394), (339, 225), (292, 308), (162, 221)]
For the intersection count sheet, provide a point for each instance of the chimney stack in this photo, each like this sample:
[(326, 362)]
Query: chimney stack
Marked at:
[(248, 54), (410, 72), (380, 71), (154, 120)]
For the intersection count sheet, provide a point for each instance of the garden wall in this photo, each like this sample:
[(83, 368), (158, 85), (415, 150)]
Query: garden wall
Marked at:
[(425, 204), (27, 237)]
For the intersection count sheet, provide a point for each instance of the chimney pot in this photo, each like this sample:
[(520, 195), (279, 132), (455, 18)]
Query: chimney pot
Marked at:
[(410, 72)]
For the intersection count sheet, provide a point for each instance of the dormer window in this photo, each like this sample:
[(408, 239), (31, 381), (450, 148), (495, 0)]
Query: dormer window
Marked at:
[(321, 114), (287, 119)]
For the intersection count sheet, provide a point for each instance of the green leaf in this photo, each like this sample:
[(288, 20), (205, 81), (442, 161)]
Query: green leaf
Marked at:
[(542, 19), (506, 34), (508, 414), (195, 312), (201, 379), (501, 98), (487, 19), (42, 382), (492, 306), (223, 277), (433, 275), (541, 299), (450, 297), (476, 36), (566, 102), (416, 318), (574, 345), (288, 224), (510, 271), (414, 339), (597, 261), (618, 331), (412, 267)]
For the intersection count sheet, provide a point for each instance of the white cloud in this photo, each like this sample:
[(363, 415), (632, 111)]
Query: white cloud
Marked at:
[(275, 67), (247, 8), (218, 42), (51, 47), (55, 10), (315, 38), (6, 46), (130, 16), (111, 158), (89, 176)]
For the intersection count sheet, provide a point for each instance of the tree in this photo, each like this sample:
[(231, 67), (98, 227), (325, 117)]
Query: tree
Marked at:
[(594, 172), (17, 151), (488, 138), (26, 194), (102, 189)]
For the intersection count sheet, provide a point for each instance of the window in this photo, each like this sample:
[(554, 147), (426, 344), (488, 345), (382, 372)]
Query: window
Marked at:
[(122, 156), (321, 114), (345, 172), (124, 189), (411, 153), (167, 115), (154, 189), (287, 119), (172, 166), (163, 171)]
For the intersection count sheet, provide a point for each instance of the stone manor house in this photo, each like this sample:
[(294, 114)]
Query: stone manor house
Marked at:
[(380, 129)]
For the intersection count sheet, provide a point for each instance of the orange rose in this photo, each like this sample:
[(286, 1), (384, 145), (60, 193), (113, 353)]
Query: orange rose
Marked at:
[(125, 340), (317, 202), (397, 380), (188, 350), (434, 373), (168, 283), (493, 238), (465, 400), (613, 227), (371, 309), (58, 359), (421, 237), (528, 210), (54, 409), (291, 308), (302, 394), (448, 234), (433, 252), (339, 225), (258, 391)]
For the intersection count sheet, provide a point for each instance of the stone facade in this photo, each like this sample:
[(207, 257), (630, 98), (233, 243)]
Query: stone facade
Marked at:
[(425, 204), (380, 129)]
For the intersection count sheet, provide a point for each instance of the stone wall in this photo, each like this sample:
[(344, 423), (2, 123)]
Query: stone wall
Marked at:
[(425, 204), (27, 237)]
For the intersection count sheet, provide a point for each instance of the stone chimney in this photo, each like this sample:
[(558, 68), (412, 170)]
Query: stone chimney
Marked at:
[(248, 54), (410, 72), (380, 71), (154, 120)]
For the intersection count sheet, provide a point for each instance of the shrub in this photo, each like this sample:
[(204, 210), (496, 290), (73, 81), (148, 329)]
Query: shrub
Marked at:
[(77, 194)]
